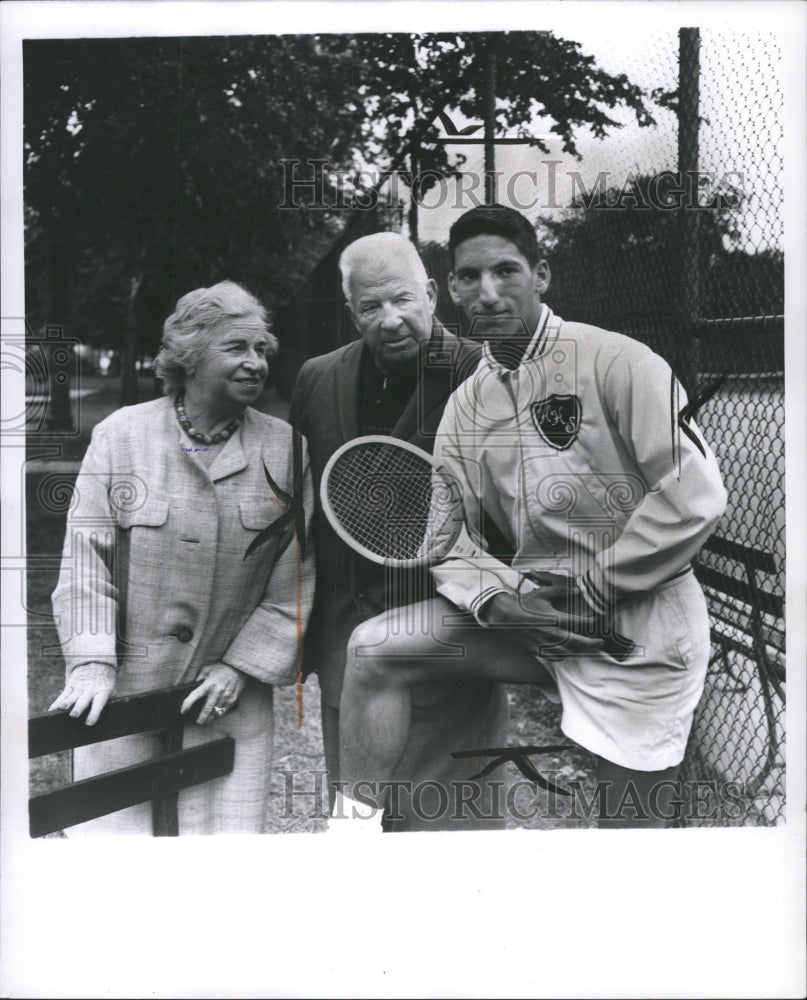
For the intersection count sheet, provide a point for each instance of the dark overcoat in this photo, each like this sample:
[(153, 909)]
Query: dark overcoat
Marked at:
[(350, 589)]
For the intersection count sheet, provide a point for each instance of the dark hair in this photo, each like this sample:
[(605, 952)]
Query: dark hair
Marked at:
[(495, 220)]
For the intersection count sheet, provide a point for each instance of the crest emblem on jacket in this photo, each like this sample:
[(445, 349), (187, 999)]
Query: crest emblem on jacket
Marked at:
[(557, 419)]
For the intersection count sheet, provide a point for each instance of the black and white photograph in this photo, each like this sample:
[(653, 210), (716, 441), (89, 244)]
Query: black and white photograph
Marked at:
[(403, 444)]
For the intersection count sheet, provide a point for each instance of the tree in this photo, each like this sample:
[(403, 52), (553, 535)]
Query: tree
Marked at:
[(626, 241), (152, 168), (410, 79), (616, 262), (152, 165)]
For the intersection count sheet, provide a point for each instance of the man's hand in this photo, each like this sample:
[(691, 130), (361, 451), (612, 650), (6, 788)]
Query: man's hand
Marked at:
[(540, 627), (564, 595), (90, 684)]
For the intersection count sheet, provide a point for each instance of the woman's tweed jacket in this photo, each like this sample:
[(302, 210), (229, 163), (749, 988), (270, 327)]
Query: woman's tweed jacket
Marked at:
[(154, 580)]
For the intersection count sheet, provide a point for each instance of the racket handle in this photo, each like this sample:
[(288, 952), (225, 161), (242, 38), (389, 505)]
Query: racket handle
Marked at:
[(617, 645)]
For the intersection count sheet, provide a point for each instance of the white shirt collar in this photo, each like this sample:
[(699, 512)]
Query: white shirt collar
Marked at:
[(536, 344)]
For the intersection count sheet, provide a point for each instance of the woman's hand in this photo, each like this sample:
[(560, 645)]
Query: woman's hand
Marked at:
[(90, 684), (221, 685)]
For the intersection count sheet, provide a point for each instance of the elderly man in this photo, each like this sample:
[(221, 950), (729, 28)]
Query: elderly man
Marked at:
[(571, 438), (394, 380)]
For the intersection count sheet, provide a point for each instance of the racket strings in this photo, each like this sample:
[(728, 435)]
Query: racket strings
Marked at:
[(390, 500)]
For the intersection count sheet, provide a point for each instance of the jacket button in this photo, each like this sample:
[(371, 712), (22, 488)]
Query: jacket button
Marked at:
[(183, 633)]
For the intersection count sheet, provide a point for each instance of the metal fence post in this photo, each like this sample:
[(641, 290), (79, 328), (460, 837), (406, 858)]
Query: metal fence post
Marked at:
[(690, 263)]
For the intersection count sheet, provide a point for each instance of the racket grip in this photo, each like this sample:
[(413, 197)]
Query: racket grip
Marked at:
[(617, 645)]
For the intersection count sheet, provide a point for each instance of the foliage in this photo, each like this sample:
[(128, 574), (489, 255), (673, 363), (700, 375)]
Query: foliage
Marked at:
[(152, 164), (743, 284), (410, 78), (645, 211), (155, 161), (617, 253), (437, 263)]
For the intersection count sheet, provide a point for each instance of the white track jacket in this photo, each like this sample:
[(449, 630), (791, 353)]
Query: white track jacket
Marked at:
[(580, 458)]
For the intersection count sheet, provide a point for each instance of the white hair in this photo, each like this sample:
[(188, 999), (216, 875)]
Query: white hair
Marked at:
[(380, 248), (198, 317)]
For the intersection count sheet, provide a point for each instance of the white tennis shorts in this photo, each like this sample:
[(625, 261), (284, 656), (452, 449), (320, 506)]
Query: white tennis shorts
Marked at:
[(638, 713)]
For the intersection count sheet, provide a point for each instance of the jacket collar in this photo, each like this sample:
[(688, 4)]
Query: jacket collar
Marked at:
[(437, 360), (230, 459), (546, 333), (346, 390)]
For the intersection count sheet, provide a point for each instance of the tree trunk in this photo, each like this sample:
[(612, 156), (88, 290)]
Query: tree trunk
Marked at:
[(129, 351), (59, 417), (60, 356)]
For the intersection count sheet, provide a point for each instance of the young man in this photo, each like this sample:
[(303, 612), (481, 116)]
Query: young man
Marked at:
[(569, 437), (394, 380)]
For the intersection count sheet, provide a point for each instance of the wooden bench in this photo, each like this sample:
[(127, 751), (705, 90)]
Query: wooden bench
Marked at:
[(158, 780), (747, 618)]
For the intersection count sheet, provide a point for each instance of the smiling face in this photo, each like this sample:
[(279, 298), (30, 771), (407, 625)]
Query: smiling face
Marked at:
[(393, 310), (497, 289), (230, 372)]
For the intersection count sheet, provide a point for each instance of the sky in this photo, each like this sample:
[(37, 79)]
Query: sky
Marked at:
[(741, 135)]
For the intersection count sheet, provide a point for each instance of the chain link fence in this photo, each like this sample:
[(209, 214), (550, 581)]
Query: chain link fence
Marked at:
[(673, 235), (704, 286), (740, 728)]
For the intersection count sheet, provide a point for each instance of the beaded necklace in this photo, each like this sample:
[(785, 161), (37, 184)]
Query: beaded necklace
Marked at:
[(195, 435)]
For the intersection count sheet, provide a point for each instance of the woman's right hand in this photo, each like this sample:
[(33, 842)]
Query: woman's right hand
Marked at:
[(90, 684)]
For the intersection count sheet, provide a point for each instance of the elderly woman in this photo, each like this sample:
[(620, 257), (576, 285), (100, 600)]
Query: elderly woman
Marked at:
[(155, 589)]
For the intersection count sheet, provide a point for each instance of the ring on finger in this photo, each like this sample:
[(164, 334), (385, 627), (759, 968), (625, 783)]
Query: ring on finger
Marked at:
[(219, 710)]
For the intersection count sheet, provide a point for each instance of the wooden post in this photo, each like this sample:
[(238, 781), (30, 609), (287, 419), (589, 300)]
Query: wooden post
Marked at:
[(159, 780), (165, 804)]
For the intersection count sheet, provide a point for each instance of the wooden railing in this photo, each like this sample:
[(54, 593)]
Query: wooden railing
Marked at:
[(158, 780)]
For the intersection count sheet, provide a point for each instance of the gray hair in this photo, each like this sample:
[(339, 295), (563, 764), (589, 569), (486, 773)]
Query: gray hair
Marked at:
[(197, 319), (379, 247)]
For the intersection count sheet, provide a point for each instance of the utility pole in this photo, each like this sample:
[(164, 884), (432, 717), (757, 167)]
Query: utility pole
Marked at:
[(414, 166)]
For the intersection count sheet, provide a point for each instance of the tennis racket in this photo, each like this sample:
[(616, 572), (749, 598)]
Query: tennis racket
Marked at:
[(392, 502)]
